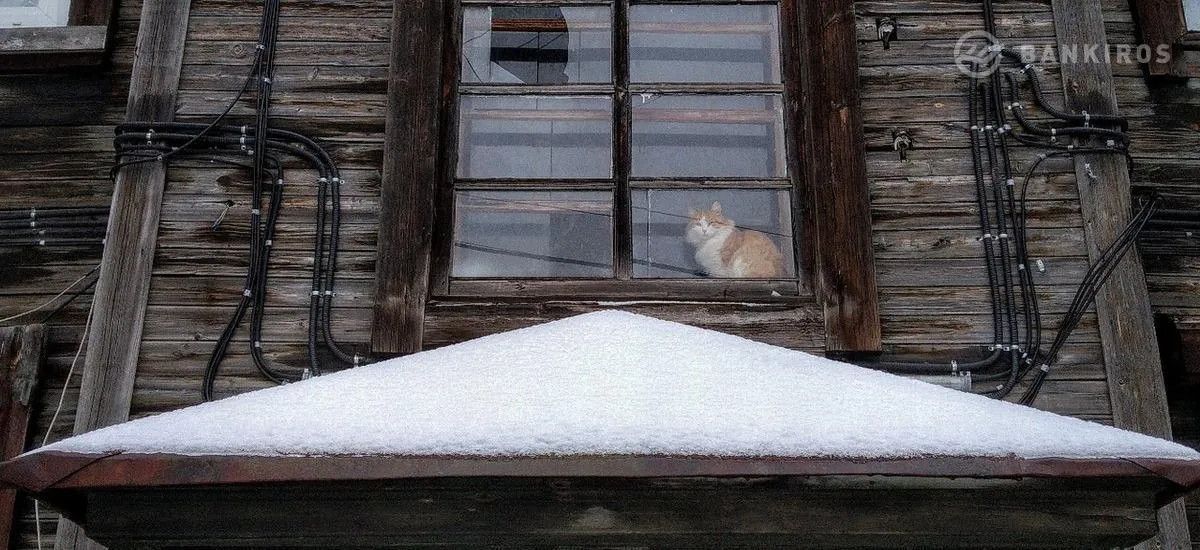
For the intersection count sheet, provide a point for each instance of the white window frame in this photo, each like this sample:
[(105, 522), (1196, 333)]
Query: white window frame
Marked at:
[(47, 13)]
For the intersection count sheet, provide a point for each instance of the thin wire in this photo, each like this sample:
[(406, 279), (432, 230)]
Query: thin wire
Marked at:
[(51, 301), (62, 398)]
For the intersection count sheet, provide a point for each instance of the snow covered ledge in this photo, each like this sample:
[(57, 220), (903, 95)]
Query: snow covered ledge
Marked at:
[(610, 428)]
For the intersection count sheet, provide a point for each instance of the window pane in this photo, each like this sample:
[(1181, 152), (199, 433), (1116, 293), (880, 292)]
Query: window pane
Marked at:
[(708, 135), (681, 43), (682, 233), (1191, 12), (533, 234), (535, 137), (537, 45)]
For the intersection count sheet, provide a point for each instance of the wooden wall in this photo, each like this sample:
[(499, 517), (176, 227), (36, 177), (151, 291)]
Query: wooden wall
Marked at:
[(55, 152), (331, 84)]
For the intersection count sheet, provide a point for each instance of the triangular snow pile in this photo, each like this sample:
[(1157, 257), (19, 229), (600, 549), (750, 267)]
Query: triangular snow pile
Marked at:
[(617, 383)]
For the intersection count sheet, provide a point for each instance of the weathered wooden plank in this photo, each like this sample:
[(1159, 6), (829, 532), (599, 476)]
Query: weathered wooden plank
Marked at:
[(120, 296), (898, 190), (415, 95), (1127, 334), (841, 260), (1162, 23), (22, 351), (293, 26), (298, 78), (948, 273), (42, 48), (965, 215), (963, 243)]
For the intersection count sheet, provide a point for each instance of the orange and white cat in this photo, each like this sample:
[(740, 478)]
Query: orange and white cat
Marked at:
[(723, 250)]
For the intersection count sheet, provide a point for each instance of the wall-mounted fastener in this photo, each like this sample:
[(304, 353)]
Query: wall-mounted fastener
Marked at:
[(901, 143), (1041, 266), (885, 27)]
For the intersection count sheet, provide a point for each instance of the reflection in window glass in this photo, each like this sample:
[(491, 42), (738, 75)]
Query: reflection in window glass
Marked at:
[(535, 137), (708, 135), (681, 43), (1191, 12), (536, 45), (533, 234), (747, 233)]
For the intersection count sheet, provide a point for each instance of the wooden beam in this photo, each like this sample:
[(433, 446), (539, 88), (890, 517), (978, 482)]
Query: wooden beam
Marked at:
[(1162, 23), (22, 351), (1131, 355), (409, 176), (31, 49), (110, 363), (840, 255)]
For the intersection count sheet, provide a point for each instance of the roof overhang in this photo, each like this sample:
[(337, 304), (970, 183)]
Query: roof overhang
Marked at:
[(368, 501)]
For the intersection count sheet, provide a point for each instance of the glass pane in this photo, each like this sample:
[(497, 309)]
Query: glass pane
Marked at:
[(708, 135), (1191, 12), (533, 234), (727, 233), (680, 43), (535, 137), (537, 45)]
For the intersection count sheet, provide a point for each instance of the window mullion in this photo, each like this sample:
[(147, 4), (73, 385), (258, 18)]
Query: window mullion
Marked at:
[(622, 152)]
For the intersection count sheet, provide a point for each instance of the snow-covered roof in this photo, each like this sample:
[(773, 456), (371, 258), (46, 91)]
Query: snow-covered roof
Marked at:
[(616, 383)]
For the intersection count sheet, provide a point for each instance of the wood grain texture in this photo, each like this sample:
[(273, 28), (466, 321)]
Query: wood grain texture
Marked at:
[(1131, 354), (838, 222), (110, 364), (22, 352), (410, 173), (1162, 23)]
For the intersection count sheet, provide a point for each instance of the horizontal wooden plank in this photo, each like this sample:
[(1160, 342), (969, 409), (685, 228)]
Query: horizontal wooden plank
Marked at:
[(963, 243)]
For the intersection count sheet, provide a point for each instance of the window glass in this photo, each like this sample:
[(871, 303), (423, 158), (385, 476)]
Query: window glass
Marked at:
[(726, 233), (1191, 12), (708, 135), (533, 234), (34, 13), (536, 45), (681, 43), (535, 137)]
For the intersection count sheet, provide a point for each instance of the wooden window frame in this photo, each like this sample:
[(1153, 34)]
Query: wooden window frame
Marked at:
[(829, 178), (1162, 22), (83, 42)]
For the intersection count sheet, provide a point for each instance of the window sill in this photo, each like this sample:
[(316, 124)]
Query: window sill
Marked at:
[(49, 48), (707, 290)]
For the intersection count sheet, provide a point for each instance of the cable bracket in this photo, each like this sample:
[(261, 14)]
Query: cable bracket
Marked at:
[(246, 292)]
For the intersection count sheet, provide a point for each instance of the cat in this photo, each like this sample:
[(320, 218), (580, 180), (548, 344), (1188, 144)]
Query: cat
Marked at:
[(723, 250)]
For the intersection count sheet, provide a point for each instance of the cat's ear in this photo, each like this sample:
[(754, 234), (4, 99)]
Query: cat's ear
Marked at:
[(695, 214), (716, 207)]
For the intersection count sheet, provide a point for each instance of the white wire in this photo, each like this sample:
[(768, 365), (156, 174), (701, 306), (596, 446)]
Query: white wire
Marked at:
[(51, 301), (62, 398)]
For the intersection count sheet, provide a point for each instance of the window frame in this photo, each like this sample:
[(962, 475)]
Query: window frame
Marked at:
[(621, 286), (83, 42), (829, 194), (1162, 22)]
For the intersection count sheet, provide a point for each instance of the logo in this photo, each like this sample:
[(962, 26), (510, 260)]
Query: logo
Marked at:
[(977, 54)]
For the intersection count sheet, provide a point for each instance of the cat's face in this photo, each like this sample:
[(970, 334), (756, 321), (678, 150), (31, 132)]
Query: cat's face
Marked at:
[(705, 224)]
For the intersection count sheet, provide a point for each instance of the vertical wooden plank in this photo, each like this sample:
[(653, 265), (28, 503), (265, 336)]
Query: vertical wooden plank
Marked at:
[(1131, 357), (841, 257), (410, 173), (91, 12), (22, 350), (123, 287), (1161, 22)]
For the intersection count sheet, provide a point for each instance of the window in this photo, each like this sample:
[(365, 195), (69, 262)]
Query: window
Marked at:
[(33, 13), (52, 34), (559, 149), (611, 142)]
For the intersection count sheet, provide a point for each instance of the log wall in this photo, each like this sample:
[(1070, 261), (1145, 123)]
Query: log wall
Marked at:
[(331, 84)]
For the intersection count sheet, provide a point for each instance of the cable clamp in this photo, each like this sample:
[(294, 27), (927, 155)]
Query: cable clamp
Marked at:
[(1010, 182), (1044, 367), (1054, 132), (1111, 143), (974, 127), (1002, 236), (279, 182), (329, 293), (1041, 156), (357, 360), (322, 180), (246, 292), (1087, 119), (316, 293), (1020, 267), (1015, 105), (255, 212), (33, 212), (985, 237), (149, 136), (268, 242), (306, 374), (260, 46), (989, 128), (32, 224), (953, 366), (266, 80), (1027, 68), (257, 345), (992, 347), (1071, 147), (42, 242)]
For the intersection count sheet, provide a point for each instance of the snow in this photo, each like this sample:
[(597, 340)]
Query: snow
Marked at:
[(616, 383)]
